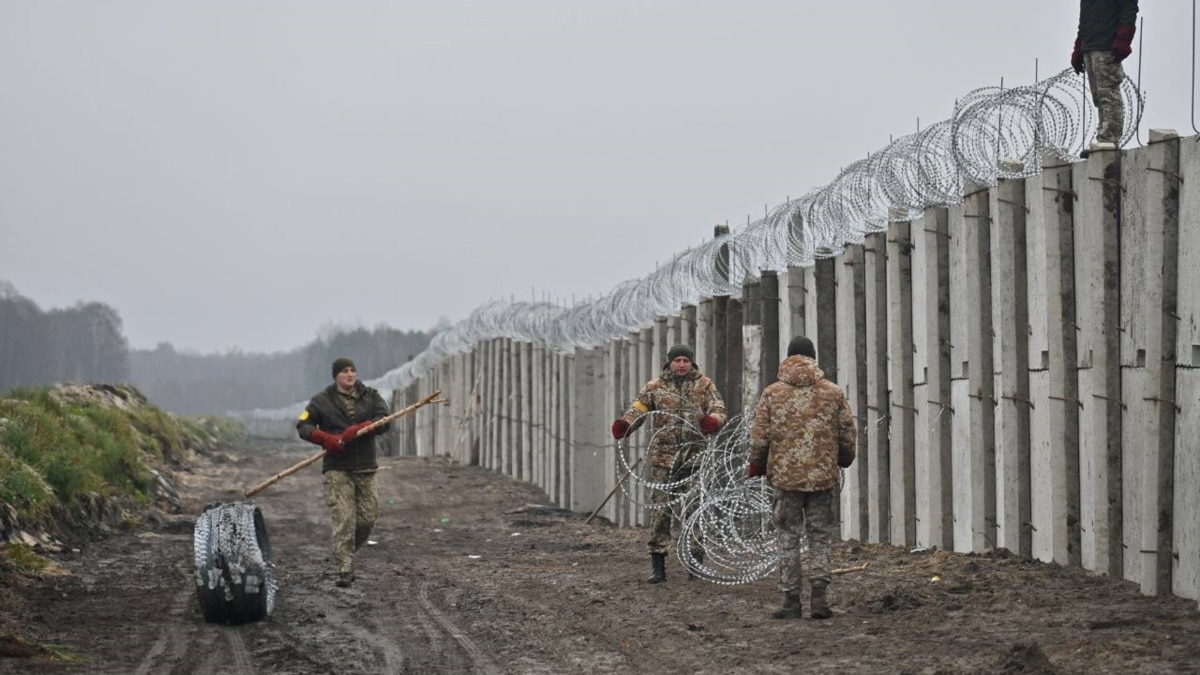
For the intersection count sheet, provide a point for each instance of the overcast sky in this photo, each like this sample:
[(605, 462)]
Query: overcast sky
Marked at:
[(241, 174)]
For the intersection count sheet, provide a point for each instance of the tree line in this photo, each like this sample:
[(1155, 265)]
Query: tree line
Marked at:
[(86, 343)]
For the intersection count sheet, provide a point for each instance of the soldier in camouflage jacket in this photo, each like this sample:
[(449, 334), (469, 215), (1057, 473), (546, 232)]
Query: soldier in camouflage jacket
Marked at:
[(684, 406), (802, 432)]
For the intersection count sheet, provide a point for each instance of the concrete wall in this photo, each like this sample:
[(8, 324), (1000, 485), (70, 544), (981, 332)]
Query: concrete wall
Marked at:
[(1024, 368)]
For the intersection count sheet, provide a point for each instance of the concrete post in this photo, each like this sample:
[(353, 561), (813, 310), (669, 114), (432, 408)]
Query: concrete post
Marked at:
[(878, 400), (588, 431), (937, 513), (796, 313), (903, 408), (526, 353), (659, 346), (674, 331), (537, 421), (752, 372), (614, 364), (1097, 265), (705, 349), (1185, 579), (770, 322), (495, 408), (981, 377), (1149, 288), (1010, 300), (734, 318), (823, 316), (648, 369), (1060, 521), (851, 312), (557, 434), (687, 327)]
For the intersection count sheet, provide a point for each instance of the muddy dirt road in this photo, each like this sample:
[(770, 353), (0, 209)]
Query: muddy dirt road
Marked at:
[(462, 580)]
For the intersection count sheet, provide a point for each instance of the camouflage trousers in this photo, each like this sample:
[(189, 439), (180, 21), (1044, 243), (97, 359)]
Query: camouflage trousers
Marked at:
[(1105, 74), (664, 518), (799, 515), (353, 501)]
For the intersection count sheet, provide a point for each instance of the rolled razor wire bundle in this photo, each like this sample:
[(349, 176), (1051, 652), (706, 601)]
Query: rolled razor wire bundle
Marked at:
[(727, 534), (235, 572)]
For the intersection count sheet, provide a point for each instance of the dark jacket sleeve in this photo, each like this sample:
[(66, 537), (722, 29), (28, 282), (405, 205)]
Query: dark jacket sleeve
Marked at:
[(1127, 11), (1098, 21), (310, 420)]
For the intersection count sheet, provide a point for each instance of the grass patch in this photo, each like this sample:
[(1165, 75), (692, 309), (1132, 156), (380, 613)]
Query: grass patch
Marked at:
[(23, 559), (66, 449)]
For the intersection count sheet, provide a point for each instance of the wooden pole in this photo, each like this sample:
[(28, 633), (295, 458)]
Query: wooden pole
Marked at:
[(613, 491), (432, 398)]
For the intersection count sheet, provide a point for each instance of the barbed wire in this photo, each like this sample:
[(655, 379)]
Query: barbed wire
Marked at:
[(994, 133)]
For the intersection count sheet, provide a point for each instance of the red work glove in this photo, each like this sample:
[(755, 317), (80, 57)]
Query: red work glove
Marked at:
[(755, 469), (351, 432), (1123, 42), (708, 424), (331, 442), (1077, 56), (620, 429)]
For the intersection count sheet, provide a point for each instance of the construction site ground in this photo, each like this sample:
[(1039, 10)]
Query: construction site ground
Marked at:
[(467, 577)]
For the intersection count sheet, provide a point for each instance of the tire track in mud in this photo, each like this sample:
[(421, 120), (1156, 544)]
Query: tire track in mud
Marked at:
[(169, 636), (195, 649), (481, 662)]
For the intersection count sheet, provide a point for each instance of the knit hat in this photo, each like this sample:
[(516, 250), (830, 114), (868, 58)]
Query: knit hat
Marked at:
[(802, 346), (678, 351), (341, 364)]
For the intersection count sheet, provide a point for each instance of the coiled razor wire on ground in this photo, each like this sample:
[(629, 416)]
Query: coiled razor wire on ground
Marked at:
[(726, 534), (994, 133), (235, 571), (727, 530)]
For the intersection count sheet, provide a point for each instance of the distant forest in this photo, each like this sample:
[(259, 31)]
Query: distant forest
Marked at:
[(86, 343)]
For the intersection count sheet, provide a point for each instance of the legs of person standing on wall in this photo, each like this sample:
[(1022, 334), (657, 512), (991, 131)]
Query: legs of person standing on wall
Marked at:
[(1105, 75), (339, 497)]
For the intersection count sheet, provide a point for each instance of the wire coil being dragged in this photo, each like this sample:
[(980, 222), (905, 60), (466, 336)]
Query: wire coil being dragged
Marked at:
[(235, 572)]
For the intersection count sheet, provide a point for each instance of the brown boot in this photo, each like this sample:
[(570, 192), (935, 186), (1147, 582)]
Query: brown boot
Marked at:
[(791, 607), (820, 608)]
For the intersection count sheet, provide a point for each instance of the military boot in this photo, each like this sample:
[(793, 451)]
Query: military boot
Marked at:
[(791, 607), (344, 579), (658, 563), (820, 608)]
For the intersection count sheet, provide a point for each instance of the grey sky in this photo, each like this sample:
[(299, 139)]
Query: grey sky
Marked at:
[(240, 174)]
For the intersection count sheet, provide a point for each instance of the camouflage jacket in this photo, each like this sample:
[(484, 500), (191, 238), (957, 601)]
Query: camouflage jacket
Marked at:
[(677, 403), (802, 428)]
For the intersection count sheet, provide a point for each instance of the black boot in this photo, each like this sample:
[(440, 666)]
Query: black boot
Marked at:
[(820, 608), (791, 607), (658, 563)]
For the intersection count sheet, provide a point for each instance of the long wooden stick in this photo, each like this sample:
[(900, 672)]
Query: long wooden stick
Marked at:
[(613, 491), (311, 460)]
